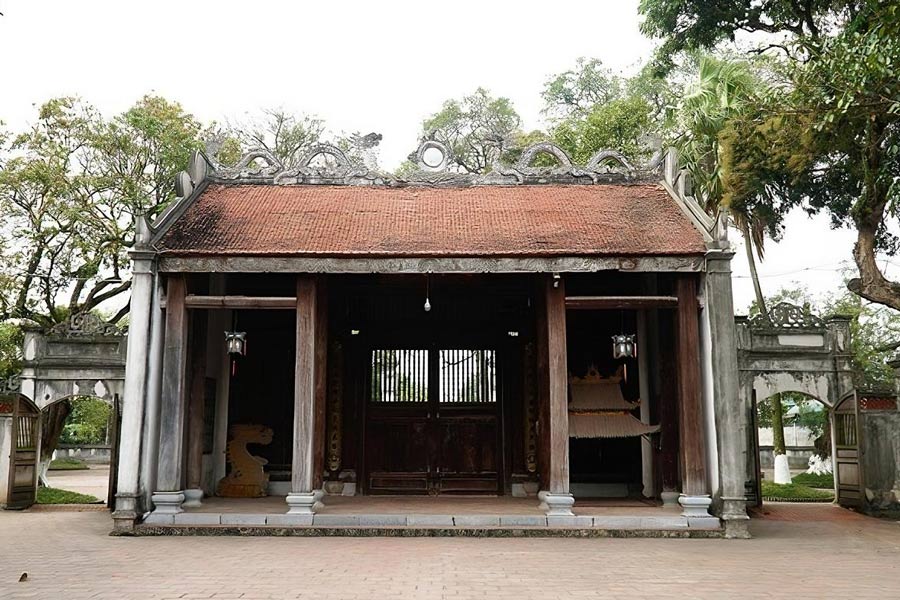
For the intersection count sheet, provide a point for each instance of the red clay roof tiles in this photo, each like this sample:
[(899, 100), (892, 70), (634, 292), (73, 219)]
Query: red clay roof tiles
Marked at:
[(497, 221)]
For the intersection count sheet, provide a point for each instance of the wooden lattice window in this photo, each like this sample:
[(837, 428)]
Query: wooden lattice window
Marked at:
[(468, 376), (845, 425), (399, 375)]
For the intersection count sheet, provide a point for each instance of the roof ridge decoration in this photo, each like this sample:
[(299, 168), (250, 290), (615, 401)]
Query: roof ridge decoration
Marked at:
[(432, 168)]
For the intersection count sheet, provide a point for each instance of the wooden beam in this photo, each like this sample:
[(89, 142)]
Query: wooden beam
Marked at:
[(302, 463), (620, 302), (172, 407), (558, 382), (690, 405), (269, 302)]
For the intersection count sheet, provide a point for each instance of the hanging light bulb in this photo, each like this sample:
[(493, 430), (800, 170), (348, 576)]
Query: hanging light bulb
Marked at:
[(427, 293)]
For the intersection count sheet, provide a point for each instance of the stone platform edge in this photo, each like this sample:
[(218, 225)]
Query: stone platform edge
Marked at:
[(144, 530)]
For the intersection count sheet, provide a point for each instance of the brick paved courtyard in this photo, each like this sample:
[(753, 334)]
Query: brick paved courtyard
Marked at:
[(808, 551)]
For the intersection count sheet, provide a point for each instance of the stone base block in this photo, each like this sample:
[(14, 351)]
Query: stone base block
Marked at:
[(167, 503), (193, 498), (669, 499), (477, 521), (429, 520), (695, 506), (706, 522), (301, 503), (243, 519), (556, 504), (156, 518), (571, 521), (192, 518), (289, 520)]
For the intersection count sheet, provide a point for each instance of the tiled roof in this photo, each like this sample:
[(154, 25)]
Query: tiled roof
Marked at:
[(490, 220)]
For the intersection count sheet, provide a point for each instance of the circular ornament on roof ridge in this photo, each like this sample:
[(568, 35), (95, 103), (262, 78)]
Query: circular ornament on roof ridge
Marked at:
[(433, 156)]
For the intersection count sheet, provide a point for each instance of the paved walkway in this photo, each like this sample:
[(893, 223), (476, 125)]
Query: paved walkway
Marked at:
[(830, 554), (93, 481)]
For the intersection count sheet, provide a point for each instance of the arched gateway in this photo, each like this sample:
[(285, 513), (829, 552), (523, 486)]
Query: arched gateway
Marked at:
[(417, 338), (82, 356)]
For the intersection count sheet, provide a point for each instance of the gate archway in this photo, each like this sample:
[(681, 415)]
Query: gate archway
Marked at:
[(82, 356), (791, 351)]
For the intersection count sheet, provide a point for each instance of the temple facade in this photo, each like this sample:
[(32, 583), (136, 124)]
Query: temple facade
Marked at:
[(319, 335)]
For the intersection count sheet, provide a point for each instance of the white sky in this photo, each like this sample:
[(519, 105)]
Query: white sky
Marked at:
[(360, 65)]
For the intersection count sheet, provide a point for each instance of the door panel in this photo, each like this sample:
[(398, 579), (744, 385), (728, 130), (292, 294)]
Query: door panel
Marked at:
[(432, 422), (25, 438), (848, 480)]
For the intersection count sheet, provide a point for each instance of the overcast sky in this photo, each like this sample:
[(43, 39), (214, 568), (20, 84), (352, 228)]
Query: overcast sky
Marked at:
[(360, 65)]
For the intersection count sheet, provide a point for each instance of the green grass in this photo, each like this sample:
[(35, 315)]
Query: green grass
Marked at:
[(824, 481), (68, 464), (793, 492), (48, 495)]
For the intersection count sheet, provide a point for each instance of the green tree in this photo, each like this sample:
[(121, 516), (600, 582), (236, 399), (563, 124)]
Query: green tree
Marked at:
[(285, 135), (87, 423), (591, 108), (478, 129), (722, 91), (622, 124), (827, 137), (575, 92), (11, 339), (70, 188)]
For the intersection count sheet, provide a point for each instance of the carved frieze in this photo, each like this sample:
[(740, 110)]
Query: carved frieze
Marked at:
[(84, 325), (11, 384), (787, 316)]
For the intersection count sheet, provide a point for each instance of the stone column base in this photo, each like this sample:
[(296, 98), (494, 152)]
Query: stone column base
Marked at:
[(167, 503), (734, 515), (669, 499), (695, 506), (556, 504), (303, 503), (193, 497), (126, 514)]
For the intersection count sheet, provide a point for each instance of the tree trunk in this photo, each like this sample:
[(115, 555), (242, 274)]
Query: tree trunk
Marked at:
[(782, 469), (754, 275)]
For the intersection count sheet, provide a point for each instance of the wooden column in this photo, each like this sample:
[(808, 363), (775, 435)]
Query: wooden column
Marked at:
[(168, 496), (320, 375), (196, 408), (690, 406), (554, 429), (302, 498)]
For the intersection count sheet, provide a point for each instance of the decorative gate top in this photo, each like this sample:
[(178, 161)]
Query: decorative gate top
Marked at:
[(785, 315), (84, 325)]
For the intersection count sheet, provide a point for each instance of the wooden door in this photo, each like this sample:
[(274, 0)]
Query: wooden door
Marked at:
[(25, 446), (433, 421), (846, 433)]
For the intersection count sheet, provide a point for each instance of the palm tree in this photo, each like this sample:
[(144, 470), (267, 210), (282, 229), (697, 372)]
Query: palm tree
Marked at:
[(726, 90), (723, 91)]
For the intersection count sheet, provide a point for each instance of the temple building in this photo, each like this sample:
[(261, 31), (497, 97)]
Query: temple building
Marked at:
[(543, 340)]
